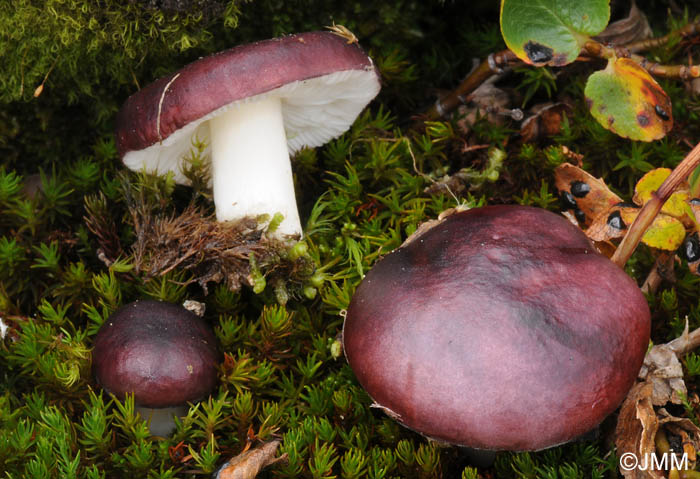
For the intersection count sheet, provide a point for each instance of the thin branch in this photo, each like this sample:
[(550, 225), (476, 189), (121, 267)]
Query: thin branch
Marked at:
[(495, 63), (644, 45), (663, 266), (652, 207), (686, 342), (593, 49)]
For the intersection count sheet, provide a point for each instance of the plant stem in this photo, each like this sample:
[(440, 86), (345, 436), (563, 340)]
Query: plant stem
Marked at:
[(664, 263), (597, 50), (652, 207), (686, 343), (492, 65), (643, 45)]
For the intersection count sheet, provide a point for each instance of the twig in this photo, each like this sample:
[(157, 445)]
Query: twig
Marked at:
[(644, 45), (597, 50), (662, 266), (495, 63), (652, 207), (686, 342)]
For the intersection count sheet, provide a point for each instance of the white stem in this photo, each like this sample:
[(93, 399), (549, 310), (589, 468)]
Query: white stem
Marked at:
[(251, 171), (161, 422)]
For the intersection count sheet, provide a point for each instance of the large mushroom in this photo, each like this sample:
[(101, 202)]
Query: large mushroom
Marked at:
[(161, 353), (254, 105), (505, 330)]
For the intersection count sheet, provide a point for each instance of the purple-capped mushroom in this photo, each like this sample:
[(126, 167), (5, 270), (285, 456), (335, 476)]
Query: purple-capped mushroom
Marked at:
[(161, 353), (499, 328), (253, 105)]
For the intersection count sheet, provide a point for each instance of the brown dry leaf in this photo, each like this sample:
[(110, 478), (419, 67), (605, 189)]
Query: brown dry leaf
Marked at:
[(485, 101), (545, 121), (685, 429), (664, 372), (636, 428), (591, 195), (633, 28), (613, 223), (608, 218), (249, 463), (639, 422)]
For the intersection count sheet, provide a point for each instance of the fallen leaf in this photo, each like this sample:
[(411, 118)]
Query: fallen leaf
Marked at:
[(486, 101), (636, 429), (545, 121), (633, 28), (664, 372), (665, 233), (248, 464), (613, 223), (608, 218), (677, 205), (641, 418), (590, 195)]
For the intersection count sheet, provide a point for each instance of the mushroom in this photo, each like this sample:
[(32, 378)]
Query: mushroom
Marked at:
[(506, 330), (162, 354), (253, 105), (3, 329)]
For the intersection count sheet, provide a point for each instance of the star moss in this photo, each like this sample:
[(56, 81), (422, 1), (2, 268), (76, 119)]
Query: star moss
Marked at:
[(71, 254)]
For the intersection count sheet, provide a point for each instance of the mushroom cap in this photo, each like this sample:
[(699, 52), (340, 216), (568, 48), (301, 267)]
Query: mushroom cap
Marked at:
[(499, 328), (162, 353), (324, 83)]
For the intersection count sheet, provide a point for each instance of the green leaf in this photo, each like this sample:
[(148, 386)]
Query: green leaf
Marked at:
[(626, 100), (551, 32)]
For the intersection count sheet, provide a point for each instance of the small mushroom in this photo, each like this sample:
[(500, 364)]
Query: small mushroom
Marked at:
[(498, 328), (254, 105), (3, 329), (162, 354)]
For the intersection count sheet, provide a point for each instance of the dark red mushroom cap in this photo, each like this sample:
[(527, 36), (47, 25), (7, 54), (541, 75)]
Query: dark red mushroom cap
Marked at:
[(499, 328), (324, 82), (161, 352)]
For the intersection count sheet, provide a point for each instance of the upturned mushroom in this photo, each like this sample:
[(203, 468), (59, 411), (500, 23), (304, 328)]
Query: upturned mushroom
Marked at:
[(506, 330), (254, 105), (161, 353)]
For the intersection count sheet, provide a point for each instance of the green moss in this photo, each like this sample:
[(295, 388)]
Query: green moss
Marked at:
[(70, 217)]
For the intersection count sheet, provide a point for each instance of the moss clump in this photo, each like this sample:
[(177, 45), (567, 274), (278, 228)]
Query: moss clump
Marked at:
[(79, 236)]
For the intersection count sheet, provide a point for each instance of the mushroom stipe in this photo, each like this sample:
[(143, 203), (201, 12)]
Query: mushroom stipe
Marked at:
[(253, 106)]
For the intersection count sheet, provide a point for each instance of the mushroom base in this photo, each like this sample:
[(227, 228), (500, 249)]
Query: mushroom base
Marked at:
[(251, 171), (161, 422)]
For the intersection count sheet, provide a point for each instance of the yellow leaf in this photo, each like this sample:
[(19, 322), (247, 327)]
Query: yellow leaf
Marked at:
[(666, 233)]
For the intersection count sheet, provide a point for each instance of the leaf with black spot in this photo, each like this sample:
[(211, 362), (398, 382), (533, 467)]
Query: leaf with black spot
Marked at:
[(626, 100), (591, 195), (608, 217), (551, 32), (665, 233)]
